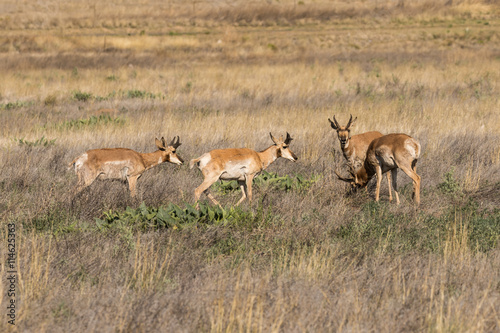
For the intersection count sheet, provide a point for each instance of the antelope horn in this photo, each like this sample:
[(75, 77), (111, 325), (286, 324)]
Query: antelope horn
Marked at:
[(288, 138), (273, 138), (175, 143), (334, 123), (350, 122), (343, 178)]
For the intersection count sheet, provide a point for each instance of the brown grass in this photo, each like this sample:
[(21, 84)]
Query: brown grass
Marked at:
[(225, 74)]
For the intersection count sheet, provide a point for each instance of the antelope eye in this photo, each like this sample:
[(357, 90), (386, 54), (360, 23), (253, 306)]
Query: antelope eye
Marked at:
[(285, 147)]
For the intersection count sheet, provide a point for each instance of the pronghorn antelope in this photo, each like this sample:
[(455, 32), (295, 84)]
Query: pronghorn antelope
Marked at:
[(122, 163), (354, 148), (241, 164), (388, 153)]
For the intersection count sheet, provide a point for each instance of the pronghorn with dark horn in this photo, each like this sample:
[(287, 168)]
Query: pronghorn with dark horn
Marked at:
[(354, 148), (388, 153), (122, 163), (241, 164)]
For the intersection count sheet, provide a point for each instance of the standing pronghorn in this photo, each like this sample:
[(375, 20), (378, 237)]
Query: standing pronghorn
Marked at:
[(354, 148), (122, 163), (388, 153), (241, 164)]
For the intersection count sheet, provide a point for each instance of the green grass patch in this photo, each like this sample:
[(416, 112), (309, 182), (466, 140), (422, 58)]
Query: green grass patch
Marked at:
[(377, 229), (271, 181), (170, 216), (16, 105), (142, 94), (82, 96), (89, 123), (42, 142)]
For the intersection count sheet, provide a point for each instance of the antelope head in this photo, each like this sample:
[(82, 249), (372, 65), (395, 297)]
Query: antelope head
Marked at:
[(169, 153), (343, 132), (357, 180), (284, 147)]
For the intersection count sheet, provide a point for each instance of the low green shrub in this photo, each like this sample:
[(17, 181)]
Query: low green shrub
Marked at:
[(141, 94), (42, 142), (170, 216), (91, 122), (82, 96), (271, 180), (449, 184), (16, 105)]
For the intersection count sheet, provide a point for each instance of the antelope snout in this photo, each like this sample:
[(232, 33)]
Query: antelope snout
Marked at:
[(176, 160)]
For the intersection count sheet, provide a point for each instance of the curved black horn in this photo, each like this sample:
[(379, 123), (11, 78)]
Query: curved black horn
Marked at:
[(343, 178), (334, 122), (288, 138), (350, 122), (175, 143)]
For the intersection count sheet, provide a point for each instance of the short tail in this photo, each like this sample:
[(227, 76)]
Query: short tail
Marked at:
[(70, 166), (194, 162)]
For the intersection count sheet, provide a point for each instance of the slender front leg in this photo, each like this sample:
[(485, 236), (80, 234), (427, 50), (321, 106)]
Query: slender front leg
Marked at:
[(211, 197), (243, 191), (132, 182), (249, 181)]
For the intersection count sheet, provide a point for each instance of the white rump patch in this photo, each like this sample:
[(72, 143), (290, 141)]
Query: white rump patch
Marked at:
[(204, 160), (413, 147), (81, 161)]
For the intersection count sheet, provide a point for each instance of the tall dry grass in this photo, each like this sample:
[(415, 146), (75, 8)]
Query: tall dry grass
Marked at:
[(225, 74)]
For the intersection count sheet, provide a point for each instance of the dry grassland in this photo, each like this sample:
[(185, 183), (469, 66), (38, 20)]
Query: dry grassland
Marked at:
[(307, 255)]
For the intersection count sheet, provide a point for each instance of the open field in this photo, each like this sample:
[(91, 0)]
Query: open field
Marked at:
[(306, 256)]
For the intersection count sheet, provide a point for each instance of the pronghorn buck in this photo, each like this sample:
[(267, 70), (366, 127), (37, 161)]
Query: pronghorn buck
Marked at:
[(388, 153), (354, 148), (241, 164), (122, 163)]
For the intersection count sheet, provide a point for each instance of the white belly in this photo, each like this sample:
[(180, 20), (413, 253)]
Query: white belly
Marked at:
[(115, 170), (236, 172)]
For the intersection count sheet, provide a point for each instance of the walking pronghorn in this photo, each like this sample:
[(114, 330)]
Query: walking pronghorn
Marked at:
[(241, 164), (122, 163)]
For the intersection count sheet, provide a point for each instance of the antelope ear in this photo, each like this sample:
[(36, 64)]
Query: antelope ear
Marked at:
[(334, 126), (273, 138), (160, 144)]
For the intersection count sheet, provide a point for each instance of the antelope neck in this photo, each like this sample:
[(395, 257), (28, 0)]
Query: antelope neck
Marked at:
[(268, 156), (152, 159)]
